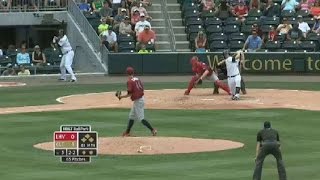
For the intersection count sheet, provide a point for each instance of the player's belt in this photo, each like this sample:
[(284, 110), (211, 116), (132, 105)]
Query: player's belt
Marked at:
[(68, 52), (233, 76)]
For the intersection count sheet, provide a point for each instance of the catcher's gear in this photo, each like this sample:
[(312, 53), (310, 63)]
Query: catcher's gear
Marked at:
[(199, 82), (194, 60), (118, 94)]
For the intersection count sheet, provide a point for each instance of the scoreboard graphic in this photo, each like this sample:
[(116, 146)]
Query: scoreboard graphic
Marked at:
[(75, 143)]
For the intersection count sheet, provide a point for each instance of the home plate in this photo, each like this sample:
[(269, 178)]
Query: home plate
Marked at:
[(207, 99)]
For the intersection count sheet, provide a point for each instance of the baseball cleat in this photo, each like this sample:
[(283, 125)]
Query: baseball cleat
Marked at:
[(73, 80), (125, 134), (61, 79), (186, 92), (154, 132), (235, 98)]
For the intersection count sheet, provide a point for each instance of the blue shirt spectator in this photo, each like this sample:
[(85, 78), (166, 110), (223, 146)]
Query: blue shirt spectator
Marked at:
[(289, 5), (84, 7), (23, 57), (253, 42)]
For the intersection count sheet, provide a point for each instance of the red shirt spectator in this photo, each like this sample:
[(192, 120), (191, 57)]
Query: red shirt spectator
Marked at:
[(272, 34), (241, 10), (135, 17), (207, 5), (146, 36), (135, 88)]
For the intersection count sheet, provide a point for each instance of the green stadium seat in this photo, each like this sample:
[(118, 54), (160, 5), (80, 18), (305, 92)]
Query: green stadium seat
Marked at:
[(290, 45), (213, 21), (218, 45), (254, 13), (309, 46), (303, 13), (217, 37), (252, 20), (272, 45), (288, 13), (236, 45), (228, 29), (214, 29)]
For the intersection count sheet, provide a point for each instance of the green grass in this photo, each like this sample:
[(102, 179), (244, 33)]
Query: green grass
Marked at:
[(40, 95), (19, 132), (298, 132)]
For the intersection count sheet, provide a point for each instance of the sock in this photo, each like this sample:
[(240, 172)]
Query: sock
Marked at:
[(130, 124), (238, 90), (147, 124), (191, 83)]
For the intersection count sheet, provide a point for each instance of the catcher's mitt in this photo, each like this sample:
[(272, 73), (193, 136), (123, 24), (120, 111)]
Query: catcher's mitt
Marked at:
[(118, 94)]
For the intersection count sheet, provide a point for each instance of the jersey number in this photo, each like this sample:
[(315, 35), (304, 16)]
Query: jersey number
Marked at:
[(139, 85)]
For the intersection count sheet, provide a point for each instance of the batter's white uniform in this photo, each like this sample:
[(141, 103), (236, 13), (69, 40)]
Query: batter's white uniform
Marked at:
[(67, 58), (234, 77)]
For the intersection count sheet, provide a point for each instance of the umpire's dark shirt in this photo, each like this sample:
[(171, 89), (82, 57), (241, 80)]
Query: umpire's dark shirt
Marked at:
[(268, 135)]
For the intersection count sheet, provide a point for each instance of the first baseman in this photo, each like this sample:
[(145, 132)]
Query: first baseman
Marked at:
[(268, 142), (233, 73), (135, 91), (203, 71), (67, 58)]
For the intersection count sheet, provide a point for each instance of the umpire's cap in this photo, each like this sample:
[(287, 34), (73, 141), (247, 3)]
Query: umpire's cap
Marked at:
[(130, 70), (267, 124)]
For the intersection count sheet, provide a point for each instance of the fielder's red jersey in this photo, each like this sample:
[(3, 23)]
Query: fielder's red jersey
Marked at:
[(135, 88), (200, 67)]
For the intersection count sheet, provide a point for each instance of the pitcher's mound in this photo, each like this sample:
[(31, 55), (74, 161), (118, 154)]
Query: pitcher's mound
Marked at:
[(156, 145)]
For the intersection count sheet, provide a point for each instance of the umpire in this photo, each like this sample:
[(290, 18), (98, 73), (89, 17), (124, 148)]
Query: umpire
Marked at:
[(268, 142)]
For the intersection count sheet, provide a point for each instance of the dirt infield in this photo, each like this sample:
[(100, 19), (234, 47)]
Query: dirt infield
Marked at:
[(11, 84), (155, 145), (174, 99)]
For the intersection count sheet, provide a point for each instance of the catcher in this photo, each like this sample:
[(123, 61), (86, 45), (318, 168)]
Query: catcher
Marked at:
[(202, 71), (135, 92), (222, 75)]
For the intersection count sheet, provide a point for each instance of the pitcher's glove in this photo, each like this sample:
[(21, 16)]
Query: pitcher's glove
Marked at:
[(118, 94)]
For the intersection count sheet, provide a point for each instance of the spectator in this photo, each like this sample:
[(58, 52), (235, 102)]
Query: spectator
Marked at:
[(200, 42), (303, 26), (124, 5), (103, 26), (284, 27), (109, 39), (271, 35), (140, 26), (289, 5), (38, 57), (116, 4), (143, 49), (135, 17), (270, 9), (11, 50), (255, 4), (316, 25), (241, 11), (9, 71), (125, 27), (23, 71), (311, 3), (119, 18), (23, 57), (315, 10), (304, 5), (141, 10), (84, 6), (256, 28), (223, 11), (253, 42), (97, 5), (295, 34), (147, 36), (106, 12), (5, 4), (207, 5), (146, 3)]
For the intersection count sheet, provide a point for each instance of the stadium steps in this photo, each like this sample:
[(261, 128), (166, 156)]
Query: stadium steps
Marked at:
[(180, 35), (159, 26)]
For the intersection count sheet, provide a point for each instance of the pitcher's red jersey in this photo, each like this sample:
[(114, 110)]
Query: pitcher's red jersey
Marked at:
[(135, 87)]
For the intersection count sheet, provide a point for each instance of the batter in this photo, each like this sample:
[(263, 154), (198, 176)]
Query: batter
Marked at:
[(135, 91), (233, 73), (67, 58)]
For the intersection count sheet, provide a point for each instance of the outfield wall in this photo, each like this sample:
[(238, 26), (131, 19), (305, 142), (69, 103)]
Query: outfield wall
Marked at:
[(178, 63)]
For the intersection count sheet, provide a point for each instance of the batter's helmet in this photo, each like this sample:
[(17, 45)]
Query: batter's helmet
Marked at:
[(194, 59), (130, 70), (226, 53)]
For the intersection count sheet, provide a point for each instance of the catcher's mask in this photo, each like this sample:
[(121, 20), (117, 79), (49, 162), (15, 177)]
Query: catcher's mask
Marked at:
[(194, 60), (226, 53), (130, 70)]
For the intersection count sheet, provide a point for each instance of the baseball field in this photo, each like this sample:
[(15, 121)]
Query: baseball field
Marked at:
[(31, 113)]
